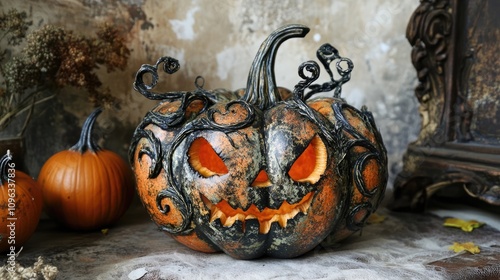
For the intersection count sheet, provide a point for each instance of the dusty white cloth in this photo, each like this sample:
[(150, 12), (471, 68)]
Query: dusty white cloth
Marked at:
[(401, 247)]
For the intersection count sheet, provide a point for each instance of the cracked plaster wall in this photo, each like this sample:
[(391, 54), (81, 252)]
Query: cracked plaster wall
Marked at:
[(218, 40)]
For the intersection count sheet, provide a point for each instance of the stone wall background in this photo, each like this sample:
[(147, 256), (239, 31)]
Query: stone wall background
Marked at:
[(218, 40)]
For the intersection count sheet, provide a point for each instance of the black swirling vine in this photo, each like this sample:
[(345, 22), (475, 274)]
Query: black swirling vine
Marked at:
[(332, 133), (378, 153), (162, 154), (373, 152), (326, 54), (310, 71)]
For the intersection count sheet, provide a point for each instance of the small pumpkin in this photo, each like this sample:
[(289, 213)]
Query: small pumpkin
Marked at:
[(20, 205), (86, 187), (262, 170)]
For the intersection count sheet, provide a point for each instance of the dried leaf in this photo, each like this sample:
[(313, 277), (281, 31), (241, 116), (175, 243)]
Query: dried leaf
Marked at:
[(375, 219), (467, 226), (467, 246), (104, 231)]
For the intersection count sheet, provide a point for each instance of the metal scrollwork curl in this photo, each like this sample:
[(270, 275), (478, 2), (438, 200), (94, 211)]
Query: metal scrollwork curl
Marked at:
[(170, 66), (310, 67), (357, 216), (183, 205), (326, 54), (373, 152), (153, 150), (249, 116)]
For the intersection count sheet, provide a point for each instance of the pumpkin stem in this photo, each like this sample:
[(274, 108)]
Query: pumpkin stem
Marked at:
[(4, 161), (86, 143), (261, 87)]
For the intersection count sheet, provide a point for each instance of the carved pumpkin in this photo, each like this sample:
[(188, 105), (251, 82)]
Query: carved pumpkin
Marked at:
[(262, 170), (86, 187), (20, 206)]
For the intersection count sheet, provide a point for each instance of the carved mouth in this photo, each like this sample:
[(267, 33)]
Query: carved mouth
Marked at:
[(228, 215)]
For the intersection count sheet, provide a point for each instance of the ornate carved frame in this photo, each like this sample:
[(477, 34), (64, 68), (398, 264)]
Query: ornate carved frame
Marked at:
[(447, 158)]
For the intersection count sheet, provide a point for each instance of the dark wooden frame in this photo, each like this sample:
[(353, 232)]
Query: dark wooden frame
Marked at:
[(457, 152)]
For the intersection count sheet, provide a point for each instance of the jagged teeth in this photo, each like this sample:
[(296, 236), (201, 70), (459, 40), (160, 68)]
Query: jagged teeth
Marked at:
[(282, 220), (230, 220), (249, 217), (264, 226), (264, 223), (304, 206), (217, 214)]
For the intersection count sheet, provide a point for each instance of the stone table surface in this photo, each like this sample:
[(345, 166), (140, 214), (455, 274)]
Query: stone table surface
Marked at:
[(403, 246)]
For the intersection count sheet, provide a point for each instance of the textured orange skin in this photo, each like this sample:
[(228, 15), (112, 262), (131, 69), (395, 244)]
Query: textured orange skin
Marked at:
[(192, 241), (27, 211), (148, 188), (86, 191)]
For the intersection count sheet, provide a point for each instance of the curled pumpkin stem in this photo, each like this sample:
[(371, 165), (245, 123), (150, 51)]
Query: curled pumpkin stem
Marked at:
[(86, 142), (261, 87)]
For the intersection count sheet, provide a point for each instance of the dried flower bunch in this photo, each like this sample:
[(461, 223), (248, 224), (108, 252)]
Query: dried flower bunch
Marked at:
[(53, 57)]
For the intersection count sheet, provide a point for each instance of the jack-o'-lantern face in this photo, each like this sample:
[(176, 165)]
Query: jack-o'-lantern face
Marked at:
[(256, 172), (269, 188)]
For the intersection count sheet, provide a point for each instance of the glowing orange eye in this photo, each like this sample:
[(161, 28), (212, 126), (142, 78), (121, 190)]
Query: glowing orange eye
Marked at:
[(311, 164), (204, 159)]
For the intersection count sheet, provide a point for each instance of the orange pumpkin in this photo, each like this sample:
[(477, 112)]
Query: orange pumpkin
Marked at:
[(20, 206), (86, 187), (263, 170)]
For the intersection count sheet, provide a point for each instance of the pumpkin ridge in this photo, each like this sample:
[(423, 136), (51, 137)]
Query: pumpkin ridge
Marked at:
[(107, 179), (118, 165)]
